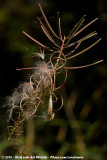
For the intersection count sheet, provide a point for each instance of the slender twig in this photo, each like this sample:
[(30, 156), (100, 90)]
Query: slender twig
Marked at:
[(88, 65), (72, 51), (83, 39), (60, 29), (46, 32), (76, 29), (76, 25), (86, 26), (48, 22), (77, 54)]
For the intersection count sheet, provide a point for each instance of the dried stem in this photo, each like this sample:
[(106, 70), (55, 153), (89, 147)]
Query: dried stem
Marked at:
[(30, 96)]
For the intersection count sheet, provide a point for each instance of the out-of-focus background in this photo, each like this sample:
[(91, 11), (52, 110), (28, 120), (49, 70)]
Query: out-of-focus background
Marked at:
[(80, 127)]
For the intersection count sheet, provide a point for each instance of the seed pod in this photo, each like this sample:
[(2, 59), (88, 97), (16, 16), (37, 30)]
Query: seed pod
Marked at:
[(50, 113)]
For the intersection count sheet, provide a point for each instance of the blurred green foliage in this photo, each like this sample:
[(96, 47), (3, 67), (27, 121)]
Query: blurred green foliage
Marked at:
[(80, 127)]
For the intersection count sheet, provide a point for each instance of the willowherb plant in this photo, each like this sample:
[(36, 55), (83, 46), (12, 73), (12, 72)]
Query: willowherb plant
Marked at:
[(31, 96)]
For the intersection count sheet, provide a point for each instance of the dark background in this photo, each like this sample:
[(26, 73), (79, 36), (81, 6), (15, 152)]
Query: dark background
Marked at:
[(80, 127)]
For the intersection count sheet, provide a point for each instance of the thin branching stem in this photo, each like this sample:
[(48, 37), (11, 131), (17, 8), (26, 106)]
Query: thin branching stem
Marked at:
[(30, 96)]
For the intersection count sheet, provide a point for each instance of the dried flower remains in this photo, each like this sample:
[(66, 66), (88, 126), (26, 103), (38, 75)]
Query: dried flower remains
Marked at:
[(32, 96)]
